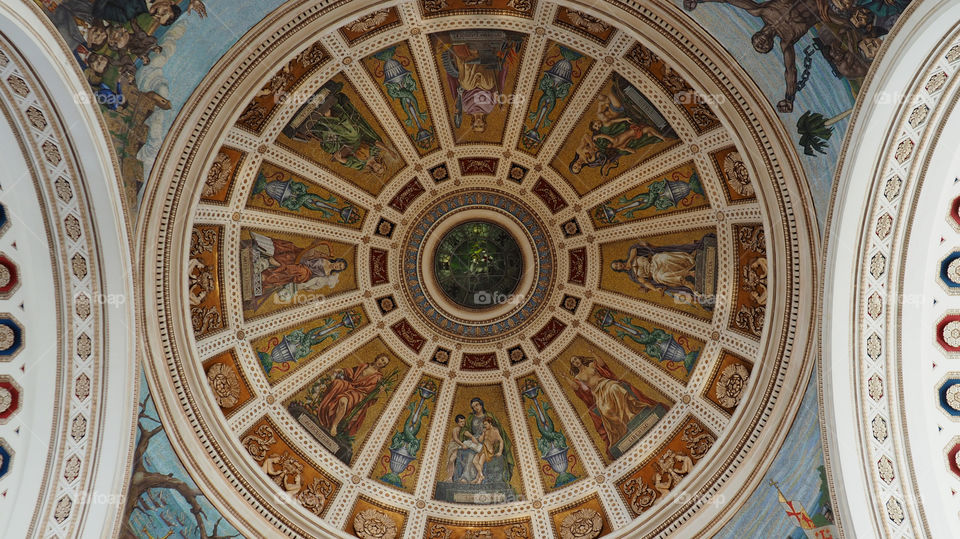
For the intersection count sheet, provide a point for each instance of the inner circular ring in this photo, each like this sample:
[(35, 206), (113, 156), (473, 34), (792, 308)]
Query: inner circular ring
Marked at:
[(530, 295)]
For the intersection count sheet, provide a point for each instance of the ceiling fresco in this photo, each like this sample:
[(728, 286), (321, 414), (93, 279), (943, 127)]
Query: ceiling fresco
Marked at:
[(811, 69), (391, 332), (143, 63), (812, 78)]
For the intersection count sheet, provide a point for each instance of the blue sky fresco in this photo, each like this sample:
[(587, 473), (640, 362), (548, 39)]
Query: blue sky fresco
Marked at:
[(167, 510), (795, 469), (191, 46), (824, 93)]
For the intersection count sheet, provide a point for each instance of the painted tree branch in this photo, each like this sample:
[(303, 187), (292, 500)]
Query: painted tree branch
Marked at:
[(143, 480)]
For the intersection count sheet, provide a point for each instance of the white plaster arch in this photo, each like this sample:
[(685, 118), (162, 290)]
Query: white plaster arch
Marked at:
[(876, 149), (75, 128)]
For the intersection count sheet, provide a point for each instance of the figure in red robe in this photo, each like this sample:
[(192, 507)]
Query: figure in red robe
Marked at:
[(346, 391)]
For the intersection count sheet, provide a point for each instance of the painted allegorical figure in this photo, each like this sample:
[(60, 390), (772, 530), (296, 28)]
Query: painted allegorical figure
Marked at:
[(277, 188), (286, 268), (349, 391), (476, 63), (668, 268), (660, 195), (332, 120), (850, 42), (399, 83), (623, 122), (482, 455), (555, 85), (612, 401)]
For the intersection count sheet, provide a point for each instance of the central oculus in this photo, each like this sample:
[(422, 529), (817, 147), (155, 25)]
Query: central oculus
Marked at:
[(478, 265)]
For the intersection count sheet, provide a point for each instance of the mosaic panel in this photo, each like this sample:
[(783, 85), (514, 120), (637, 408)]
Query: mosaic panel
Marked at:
[(620, 129), (737, 183), (729, 381), (677, 271), (218, 183), (283, 352), (691, 102), (263, 105), (585, 518), (479, 461), (677, 190), (227, 382), (293, 473), (407, 194), (341, 407), (674, 352), (400, 460), (396, 75), (750, 305), (560, 73), (279, 270), (438, 8), (585, 24), (370, 24), (451, 529), (660, 474), (621, 406), (561, 465), (280, 191), (336, 130), (373, 519), (479, 72), (204, 277)]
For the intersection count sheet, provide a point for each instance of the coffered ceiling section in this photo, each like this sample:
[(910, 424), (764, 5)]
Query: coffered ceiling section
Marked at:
[(477, 269)]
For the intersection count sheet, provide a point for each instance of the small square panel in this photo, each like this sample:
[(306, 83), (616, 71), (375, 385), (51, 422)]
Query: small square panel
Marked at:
[(571, 228), (384, 228), (439, 173), (386, 304), (517, 173), (441, 356), (516, 355), (570, 303)]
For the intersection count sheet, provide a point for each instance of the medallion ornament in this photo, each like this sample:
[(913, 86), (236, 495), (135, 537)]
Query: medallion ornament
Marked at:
[(373, 524), (581, 524)]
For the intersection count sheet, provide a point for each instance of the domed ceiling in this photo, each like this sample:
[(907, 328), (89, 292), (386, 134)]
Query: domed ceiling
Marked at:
[(526, 273)]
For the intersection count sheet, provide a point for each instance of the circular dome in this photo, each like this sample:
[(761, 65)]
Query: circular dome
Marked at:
[(524, 274)]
